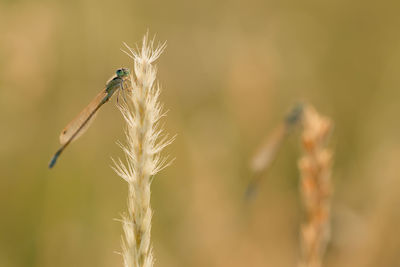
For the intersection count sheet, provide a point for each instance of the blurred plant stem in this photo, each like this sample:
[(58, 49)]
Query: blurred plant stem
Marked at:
[(315, 186)]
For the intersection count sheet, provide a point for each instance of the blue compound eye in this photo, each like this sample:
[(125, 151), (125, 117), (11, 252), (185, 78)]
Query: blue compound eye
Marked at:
[(119, 72)]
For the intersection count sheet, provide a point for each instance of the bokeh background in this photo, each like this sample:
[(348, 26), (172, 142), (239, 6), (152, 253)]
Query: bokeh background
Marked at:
[(231, 71)]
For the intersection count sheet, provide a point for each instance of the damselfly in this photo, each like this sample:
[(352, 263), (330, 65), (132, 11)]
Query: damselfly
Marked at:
[(81, 123), (268, 151)]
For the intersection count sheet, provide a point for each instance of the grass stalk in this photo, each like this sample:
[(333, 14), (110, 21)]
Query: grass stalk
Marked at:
[(315, 186), (144, 142)]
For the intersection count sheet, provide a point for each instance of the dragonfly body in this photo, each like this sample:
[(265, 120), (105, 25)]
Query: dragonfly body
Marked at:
[(80, 124)]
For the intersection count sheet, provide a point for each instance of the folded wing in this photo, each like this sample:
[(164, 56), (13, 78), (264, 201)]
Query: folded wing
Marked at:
[(81, 123)]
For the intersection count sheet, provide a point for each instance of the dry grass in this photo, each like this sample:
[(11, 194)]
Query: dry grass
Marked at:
[(315, 186), (142, 112)]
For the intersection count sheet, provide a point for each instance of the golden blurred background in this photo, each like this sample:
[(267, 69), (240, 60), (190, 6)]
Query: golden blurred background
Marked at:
[(231, 70)]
